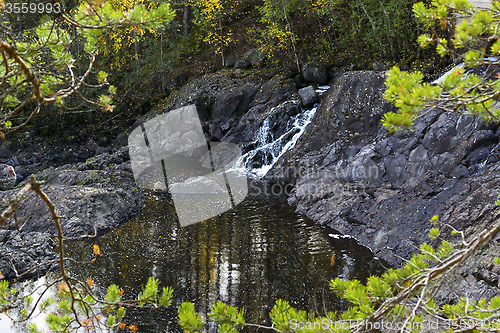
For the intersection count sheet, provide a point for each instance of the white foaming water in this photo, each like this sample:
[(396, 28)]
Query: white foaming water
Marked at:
[(270, 149), (441, 79), (322, 90)]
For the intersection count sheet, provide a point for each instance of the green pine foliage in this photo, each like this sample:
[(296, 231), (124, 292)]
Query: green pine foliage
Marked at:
[(225, 314), (189, 320), (463, 92), (37, 65), (76, 305)]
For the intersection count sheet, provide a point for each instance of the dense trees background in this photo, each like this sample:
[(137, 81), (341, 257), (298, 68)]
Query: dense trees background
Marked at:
[(342, 33), (203, 34), (145, 65)]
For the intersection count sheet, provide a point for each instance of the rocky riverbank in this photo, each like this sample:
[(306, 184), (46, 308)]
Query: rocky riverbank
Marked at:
[(346, 170), (92, 196)]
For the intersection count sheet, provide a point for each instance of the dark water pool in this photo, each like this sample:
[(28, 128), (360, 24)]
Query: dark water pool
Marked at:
[(248, 257)]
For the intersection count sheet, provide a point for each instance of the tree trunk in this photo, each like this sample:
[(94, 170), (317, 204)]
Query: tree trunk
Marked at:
[(185, 22)]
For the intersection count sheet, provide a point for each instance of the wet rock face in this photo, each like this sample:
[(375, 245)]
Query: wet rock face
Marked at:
[(355, 177), (357, 100), (221, 99), (233, 108)]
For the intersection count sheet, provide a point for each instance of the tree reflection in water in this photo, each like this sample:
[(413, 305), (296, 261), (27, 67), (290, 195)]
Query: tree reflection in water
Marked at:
[(248, 257)]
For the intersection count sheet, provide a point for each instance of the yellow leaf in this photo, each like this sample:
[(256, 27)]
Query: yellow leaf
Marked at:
[(97, 250), (63, 287)]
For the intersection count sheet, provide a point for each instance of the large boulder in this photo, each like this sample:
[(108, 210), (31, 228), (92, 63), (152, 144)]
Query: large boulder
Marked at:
[(242, 64), (255, 57), (315, 73), (378, 66), (308, 96), (230, 61)]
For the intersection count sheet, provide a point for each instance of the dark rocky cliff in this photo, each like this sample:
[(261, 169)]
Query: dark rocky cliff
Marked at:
[(355, 177)]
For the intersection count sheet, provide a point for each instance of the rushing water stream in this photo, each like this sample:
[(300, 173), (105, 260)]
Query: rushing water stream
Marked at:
[(273, 148)]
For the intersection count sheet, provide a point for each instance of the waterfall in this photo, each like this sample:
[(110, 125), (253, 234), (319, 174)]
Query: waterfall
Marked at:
[(269, 149)]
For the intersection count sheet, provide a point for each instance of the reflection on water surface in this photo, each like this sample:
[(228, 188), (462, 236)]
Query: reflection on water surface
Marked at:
[(248, 257)]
